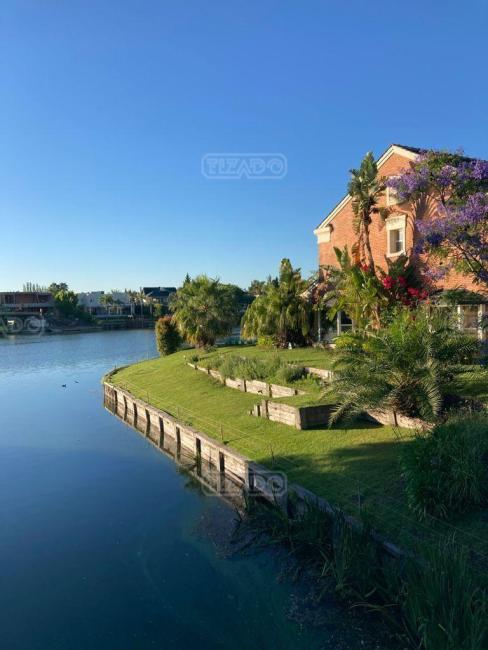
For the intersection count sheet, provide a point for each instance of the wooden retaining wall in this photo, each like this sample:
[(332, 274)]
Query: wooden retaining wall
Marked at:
[(300, 417), (253, 386), (303, 417), (158, 424), (389, 418), (322, 373), (160, 428)]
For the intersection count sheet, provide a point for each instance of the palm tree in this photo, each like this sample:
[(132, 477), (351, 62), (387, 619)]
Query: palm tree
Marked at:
[(365, 189), (108, 300), (404, 367), (204, 309), (282, 311), (355, 291)]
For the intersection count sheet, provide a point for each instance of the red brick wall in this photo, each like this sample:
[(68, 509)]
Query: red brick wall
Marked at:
[(342, 232)]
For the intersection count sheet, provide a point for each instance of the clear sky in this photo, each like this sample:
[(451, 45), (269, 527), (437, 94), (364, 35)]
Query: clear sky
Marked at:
[(107, 107)]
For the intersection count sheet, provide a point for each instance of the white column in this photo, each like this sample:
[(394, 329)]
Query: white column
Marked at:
[(481, 318), (460, 314)]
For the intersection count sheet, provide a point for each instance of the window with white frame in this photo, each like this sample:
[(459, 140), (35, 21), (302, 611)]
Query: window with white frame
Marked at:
[(469, 317), (396, 241), (392, 195), (395, 231)]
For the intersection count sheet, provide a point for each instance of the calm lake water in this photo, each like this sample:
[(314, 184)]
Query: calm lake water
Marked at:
[(103, 543)]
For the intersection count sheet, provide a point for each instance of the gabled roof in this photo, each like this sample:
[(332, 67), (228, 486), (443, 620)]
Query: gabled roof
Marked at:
[(411, 149), (158, 292), (408, 152)]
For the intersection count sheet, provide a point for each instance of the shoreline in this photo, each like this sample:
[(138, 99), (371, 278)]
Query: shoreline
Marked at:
[(90, 329), (256, 479)]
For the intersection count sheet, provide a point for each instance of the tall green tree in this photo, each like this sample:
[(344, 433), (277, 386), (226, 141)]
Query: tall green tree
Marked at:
[(204, 309), (256, 288), (55, 287), (66, 302), (108, 301), (365, 189), (281, 312)]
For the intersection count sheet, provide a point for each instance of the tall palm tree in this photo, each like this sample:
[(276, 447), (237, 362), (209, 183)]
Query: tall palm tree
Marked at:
[(203, 310), (365, 189), (108, 301)]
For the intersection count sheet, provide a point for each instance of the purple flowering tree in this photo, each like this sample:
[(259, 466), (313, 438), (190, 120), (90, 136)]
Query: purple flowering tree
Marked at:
[(449, 195)]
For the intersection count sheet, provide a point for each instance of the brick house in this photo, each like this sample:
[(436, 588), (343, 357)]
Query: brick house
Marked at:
[(392, 237), (33, 301)]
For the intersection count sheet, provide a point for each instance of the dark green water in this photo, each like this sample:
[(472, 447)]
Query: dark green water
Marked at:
[(103, 544)]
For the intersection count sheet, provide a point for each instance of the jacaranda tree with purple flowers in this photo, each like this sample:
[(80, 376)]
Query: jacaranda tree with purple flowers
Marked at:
[(454, 228)]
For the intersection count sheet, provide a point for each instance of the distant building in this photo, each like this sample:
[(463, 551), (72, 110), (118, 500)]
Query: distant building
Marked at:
[(159, 295), (35, 301), (93, 303)]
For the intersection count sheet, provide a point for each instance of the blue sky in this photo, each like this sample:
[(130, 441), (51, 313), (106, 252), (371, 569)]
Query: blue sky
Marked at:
[(107, 107)]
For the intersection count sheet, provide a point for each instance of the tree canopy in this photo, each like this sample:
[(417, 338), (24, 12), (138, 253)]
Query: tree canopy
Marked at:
[(454, 231), (281, 313), (66, 302), (204, 309)]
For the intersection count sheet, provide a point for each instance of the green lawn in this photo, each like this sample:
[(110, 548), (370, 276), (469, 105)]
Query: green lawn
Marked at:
[(312, 357), (473, 384), (343, 465)]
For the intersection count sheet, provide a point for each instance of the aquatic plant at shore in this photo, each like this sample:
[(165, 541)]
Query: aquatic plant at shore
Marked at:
[(434, 601)]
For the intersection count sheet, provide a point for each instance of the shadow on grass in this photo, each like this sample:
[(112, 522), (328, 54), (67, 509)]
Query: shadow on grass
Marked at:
[(365, 480)]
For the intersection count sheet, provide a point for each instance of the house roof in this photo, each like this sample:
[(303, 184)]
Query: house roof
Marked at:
[(158, 292), (412, 149), (407, 152), (416, 150)]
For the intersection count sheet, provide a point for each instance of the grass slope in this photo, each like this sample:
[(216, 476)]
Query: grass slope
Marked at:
[(346, 466)]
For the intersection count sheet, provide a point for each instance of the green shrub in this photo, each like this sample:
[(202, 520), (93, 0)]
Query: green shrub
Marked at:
[(406, 367), (446, 471), (289, 373), (265, 341), (443, 602), (272, 369), (168, 339)]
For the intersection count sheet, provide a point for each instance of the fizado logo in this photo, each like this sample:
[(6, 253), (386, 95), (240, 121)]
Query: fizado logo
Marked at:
[(17, 325), (268, 484), (253, 166)]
